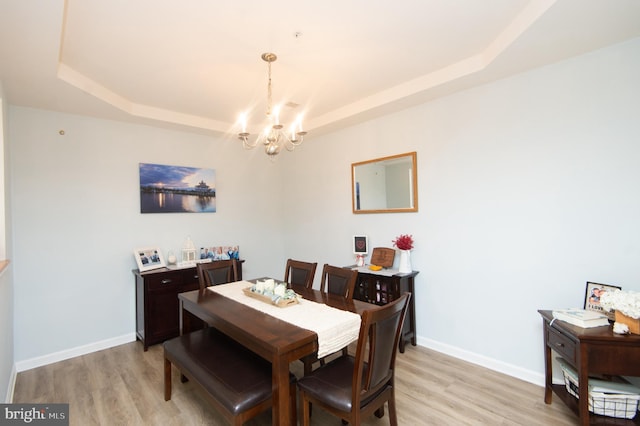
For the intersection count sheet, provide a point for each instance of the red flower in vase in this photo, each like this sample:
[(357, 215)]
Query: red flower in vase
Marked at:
[(404, 242)]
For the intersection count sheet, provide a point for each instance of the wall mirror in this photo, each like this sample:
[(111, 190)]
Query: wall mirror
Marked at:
[(385, 185)]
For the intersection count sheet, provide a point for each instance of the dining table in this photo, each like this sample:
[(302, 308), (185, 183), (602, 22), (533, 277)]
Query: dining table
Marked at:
[(276, 340)]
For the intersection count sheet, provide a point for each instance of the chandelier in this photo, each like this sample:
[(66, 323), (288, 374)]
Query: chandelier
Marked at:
[(275, 136)]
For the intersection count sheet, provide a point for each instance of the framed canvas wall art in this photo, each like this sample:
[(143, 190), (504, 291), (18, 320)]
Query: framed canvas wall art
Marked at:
[(177, 189)]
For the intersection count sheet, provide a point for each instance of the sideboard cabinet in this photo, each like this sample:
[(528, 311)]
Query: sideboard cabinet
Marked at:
[(381, 288), (157, 305), (591, 351)]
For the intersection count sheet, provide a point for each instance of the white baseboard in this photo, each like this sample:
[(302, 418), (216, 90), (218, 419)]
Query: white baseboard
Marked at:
[(11, 386), (73, 352), (490, 363)]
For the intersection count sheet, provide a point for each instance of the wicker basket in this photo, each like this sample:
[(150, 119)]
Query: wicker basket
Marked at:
[(634, 324), (618, 405)]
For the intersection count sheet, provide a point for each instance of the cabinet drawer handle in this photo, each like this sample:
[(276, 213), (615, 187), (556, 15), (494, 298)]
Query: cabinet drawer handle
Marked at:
[(560, 345), (165, 281)]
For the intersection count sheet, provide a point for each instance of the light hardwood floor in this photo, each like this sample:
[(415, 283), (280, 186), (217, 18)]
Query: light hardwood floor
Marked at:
[(124, 386)]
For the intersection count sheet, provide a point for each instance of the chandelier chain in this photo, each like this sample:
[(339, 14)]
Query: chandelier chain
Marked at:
[(269, 98)]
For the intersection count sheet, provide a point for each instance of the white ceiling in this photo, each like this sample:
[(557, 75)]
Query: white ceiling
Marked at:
[(196, 64)]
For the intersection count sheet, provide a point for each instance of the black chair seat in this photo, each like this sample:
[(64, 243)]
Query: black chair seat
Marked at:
[(333, 382), (230, 374)]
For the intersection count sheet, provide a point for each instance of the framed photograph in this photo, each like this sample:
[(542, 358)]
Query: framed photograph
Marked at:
[(149, 258), (177, 189), (592, 297), (360, 244), (220, 253)]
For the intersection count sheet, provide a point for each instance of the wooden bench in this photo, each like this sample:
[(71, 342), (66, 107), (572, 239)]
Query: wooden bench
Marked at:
[(236, 381)]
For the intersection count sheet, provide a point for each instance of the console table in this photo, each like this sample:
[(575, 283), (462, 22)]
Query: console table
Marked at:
[(382, 287), (157, 291), (590, 351)]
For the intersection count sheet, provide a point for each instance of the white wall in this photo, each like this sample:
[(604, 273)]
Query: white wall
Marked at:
[(7, 372), (77, 221), (527, 189)]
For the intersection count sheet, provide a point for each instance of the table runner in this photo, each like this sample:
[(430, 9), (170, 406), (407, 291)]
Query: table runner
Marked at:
[(335, 328)]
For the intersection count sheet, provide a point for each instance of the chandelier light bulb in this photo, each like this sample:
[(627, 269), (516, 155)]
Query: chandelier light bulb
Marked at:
[(293, 131), (243, 122), (299, 121), (276, 114)]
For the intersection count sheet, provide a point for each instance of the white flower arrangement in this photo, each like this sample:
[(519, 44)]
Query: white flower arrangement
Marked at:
[(274, 290), (626, 302)]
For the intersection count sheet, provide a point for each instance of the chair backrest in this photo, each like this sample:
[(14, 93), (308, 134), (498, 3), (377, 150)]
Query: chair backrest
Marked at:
[(380, 332), (300, 273), (337, 280), (217, 272)]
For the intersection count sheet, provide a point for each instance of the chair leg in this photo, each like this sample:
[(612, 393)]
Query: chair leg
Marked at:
[(308, 365), (393, 419), (167, 379), (306, 406), (293, 401)]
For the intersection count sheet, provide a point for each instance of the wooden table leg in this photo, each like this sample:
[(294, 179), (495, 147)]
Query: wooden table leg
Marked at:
[(280, 376), (188, 321), (184, 321)]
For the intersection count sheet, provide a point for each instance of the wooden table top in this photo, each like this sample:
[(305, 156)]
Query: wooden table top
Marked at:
[(256, 330)]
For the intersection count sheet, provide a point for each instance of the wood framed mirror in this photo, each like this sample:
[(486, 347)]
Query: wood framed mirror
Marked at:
[(385, 185)]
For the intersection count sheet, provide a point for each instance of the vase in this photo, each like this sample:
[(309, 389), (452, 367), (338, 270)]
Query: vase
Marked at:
[(405, 262)]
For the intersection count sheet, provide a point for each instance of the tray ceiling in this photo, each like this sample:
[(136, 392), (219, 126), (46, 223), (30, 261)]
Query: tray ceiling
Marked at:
[(197, 65)]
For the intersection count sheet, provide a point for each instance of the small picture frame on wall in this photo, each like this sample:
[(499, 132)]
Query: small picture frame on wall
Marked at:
[(592, 295), (360, 244), (149, 258)]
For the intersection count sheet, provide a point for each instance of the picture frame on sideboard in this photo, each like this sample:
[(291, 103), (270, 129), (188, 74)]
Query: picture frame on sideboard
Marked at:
[(149, 258), (592, 294)]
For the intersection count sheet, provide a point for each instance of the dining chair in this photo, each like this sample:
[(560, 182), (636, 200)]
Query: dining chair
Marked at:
[(339, 281), (300, 273), (217, 272), (354, 387)]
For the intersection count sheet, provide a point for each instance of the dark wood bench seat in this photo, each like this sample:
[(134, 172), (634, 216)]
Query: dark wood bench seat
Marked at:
[(236, 381)]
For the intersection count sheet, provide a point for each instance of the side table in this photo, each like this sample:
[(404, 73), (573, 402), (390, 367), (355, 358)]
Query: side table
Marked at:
[(590, 351), (382, 287)]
